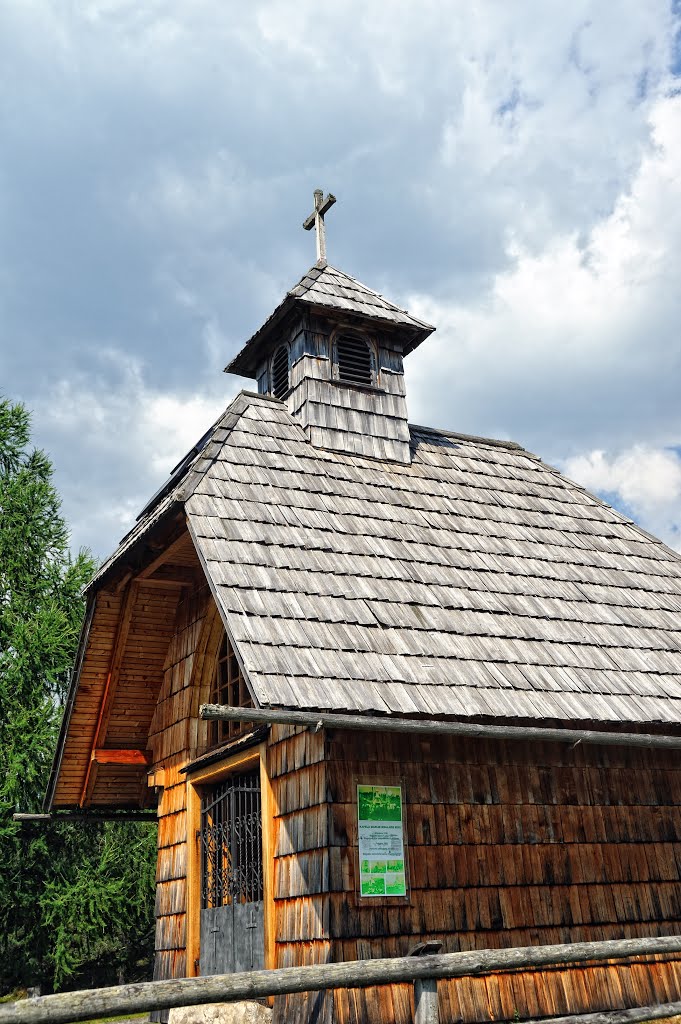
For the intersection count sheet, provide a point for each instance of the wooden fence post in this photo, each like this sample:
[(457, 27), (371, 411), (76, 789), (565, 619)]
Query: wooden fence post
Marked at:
[(426, 1009)]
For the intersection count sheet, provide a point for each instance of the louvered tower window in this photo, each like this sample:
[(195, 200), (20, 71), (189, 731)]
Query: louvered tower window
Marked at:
[(353, 358), (280, 384)]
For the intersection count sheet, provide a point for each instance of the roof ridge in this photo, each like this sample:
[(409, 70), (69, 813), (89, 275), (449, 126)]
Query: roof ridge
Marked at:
[(246, 393), (244, 399), (649, 537), (178, 491), (314, 272), (493, 441), (646, 534)]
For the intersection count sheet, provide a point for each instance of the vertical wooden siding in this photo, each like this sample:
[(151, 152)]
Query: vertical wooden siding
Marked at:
[(510, 845), (170, 741), (297, 773)]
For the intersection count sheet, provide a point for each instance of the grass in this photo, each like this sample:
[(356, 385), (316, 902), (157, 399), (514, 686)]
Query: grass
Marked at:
[(123, 1016)]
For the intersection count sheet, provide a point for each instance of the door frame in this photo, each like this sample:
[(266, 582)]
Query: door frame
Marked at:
[(255, 756)]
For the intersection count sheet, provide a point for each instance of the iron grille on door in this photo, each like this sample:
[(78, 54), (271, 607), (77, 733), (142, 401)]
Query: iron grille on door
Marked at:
[(231, 842)]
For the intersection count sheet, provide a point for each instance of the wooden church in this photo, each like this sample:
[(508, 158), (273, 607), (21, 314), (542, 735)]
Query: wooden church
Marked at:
[(316, 552)]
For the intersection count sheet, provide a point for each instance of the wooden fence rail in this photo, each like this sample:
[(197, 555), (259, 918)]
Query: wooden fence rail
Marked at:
[(436, 727), (226, 988), (639, 1013)]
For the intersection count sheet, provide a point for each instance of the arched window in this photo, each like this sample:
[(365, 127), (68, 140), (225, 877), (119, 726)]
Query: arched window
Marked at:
[(279, 372), (353, 359), (228, 688)]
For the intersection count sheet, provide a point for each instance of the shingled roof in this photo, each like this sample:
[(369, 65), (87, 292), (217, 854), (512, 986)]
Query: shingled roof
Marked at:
[(476, 581), (326, 286)]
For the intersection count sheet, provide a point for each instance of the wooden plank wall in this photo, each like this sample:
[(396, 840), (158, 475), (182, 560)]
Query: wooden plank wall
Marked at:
[(96, 662), (121, 715), (136, 692), (297, 772), (151, 627), (512, 844), (169, 739)]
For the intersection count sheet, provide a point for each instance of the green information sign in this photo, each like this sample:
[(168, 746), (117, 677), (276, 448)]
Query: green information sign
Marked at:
[(381, 841)]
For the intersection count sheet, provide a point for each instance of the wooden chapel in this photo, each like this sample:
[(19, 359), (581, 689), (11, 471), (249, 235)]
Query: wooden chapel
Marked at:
[(316, 552)]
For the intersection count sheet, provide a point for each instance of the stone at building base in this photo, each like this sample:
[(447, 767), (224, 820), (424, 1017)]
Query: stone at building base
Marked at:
[(247, 1012)]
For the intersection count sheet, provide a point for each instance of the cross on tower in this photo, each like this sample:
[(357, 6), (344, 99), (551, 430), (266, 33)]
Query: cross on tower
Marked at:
[(316, 220)]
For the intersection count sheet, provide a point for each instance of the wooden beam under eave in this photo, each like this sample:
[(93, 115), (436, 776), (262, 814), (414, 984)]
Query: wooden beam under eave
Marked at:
[(89, 784), (104, 755), (166, 584), (176, 573), (106, 704), (165, 556)]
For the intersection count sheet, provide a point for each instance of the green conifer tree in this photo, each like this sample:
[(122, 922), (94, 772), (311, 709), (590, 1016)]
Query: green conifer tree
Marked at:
[(76, 901)]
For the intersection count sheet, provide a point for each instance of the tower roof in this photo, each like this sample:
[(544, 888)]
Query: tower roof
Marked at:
[(330, 288)]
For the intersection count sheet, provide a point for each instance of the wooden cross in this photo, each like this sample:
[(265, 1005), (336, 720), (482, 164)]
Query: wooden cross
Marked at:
[(316, 220)]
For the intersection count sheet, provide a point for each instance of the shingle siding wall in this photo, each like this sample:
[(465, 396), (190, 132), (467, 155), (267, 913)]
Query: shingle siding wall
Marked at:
[(512, 845), (297, 771), (334, 415), (171, 740)]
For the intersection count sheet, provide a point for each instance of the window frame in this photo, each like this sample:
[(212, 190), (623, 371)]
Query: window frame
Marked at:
[(286, 347), (352, 332), (232, 685)]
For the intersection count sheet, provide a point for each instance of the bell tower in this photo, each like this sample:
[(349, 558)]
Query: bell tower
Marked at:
[(333, 351)]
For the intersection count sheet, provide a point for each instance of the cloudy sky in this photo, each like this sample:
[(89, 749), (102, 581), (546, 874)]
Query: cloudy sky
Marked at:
[(509, 171)]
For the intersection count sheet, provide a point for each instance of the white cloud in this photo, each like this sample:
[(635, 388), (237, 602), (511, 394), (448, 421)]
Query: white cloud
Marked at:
[(170, 425), (517, 166), (646, 480), (579, 340), (119, 438), (207, 195)]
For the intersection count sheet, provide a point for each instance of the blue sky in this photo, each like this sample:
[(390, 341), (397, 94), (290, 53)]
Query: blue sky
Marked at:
[(510, 172)]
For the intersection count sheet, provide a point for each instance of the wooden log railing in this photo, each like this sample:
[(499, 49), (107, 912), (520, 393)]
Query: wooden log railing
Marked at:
[(438, 727), (227, 988)]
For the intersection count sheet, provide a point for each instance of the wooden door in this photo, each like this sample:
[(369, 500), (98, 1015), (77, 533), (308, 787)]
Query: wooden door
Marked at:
[(232, 914)]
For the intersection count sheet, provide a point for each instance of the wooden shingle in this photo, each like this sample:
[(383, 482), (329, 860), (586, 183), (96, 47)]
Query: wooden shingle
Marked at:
[(473, 581)]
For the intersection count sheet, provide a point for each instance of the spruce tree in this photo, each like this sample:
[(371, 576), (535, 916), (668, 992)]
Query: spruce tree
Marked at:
[(76, 900)]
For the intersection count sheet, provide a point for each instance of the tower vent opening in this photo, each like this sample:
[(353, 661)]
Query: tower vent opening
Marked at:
[(353, 356), (280, 381)]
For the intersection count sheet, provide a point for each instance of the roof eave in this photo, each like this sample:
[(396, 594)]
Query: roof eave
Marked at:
[(245, 363), (414, 330), (420, 335), (113, 563), (48, 801)]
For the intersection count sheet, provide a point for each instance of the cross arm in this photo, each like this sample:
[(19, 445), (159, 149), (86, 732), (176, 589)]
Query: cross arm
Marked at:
[(309, 222)]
